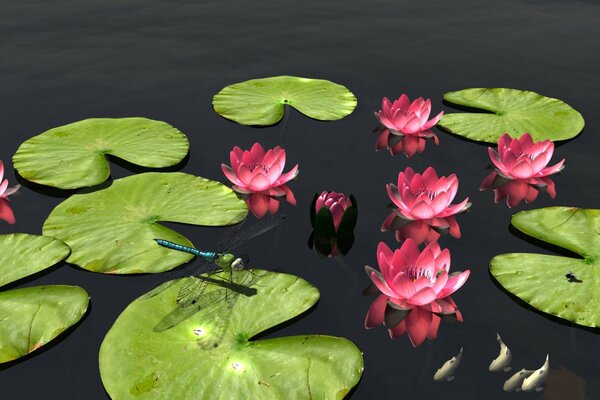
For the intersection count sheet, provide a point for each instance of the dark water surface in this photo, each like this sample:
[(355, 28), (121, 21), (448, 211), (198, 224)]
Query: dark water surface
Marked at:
[(64, 61)]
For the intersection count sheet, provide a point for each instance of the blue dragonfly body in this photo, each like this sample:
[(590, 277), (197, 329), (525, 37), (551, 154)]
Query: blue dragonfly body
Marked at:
[(229, 279)]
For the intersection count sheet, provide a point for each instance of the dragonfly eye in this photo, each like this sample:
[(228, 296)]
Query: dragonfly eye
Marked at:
[(237, 264)]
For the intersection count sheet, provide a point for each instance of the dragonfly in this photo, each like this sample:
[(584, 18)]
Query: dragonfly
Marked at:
[(227, 279)]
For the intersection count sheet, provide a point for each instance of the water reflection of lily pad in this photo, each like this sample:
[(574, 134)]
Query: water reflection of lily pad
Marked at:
[(74, 155), (262, 101), (135, 360), (33, 316), (512, 111), (543, 280), (113, 230), (22, 255)]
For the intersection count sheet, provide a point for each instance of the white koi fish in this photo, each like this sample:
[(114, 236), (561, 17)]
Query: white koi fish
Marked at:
[(446, 373), (537, 379), (502, 362), (513, 384)]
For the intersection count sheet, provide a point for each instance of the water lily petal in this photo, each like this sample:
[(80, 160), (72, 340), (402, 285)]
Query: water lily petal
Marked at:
[(455, 281), (433, 121), (229, 174), (259, 182), (424, 296)]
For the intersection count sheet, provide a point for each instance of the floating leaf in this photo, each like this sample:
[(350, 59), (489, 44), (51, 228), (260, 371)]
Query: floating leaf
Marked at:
[(74, 155), (542, 280), (262, 101), (137, 361), (513, 111), (33, 316), (22, 255), (113, 230)]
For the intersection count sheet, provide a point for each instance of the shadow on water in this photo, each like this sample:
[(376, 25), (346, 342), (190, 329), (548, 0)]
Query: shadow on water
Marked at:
[(50, 345), (544, 245), (264, 334), (528, 307), (37, 275), (57, 192), (138, 169)]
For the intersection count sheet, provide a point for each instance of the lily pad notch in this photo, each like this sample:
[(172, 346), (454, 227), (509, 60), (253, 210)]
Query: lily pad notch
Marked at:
[(510, 111), (74, 155), (261, 102), (33, 316), (112, 230), (137, 360), (566, 287)]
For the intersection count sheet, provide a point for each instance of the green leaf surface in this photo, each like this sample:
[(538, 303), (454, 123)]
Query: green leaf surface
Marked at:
[(541, 280), (22, 255), (262, 101), (74, 155), (510, 111), (113, 230), (33, 316), (138, 362)]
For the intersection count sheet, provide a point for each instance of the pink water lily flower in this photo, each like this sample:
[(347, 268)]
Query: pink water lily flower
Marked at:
[(406, 118), (258, 176), (520, 169), (427, 199), (337, 203), (6, 212), (410, 278), (523, 159)]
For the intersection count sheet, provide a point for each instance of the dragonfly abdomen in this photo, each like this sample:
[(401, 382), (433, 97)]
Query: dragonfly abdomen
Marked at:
[(207, 255)]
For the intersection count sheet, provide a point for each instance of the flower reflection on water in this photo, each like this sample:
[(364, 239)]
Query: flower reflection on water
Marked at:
[(415, 290)]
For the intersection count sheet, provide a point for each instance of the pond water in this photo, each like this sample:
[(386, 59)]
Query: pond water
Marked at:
[(64, 61)]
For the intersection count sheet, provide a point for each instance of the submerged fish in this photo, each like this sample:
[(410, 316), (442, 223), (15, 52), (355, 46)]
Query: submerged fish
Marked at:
[(537, 379), (513, 384), (446, 373), (502, 362)]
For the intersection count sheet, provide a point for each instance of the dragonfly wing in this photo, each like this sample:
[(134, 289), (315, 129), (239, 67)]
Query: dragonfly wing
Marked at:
[(250, 232), (216, 321), (208, 302), (191, 290)]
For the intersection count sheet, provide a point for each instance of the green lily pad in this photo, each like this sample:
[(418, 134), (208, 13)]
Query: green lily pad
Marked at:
[(512, 111), (33, 316), (113, 230), (137, 360), (74, 155), (22, 255), (262, 101), (543, 280)]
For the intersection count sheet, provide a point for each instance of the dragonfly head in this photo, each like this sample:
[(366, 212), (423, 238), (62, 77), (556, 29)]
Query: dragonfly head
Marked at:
[(228, 260), (237, 264)]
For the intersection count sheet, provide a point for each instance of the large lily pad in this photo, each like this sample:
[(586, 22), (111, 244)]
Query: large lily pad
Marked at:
[(33, 316), (262, 101), (113, 230), (22, 255), (566, 287), (74, 155), (139, 361), (512, 111)]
